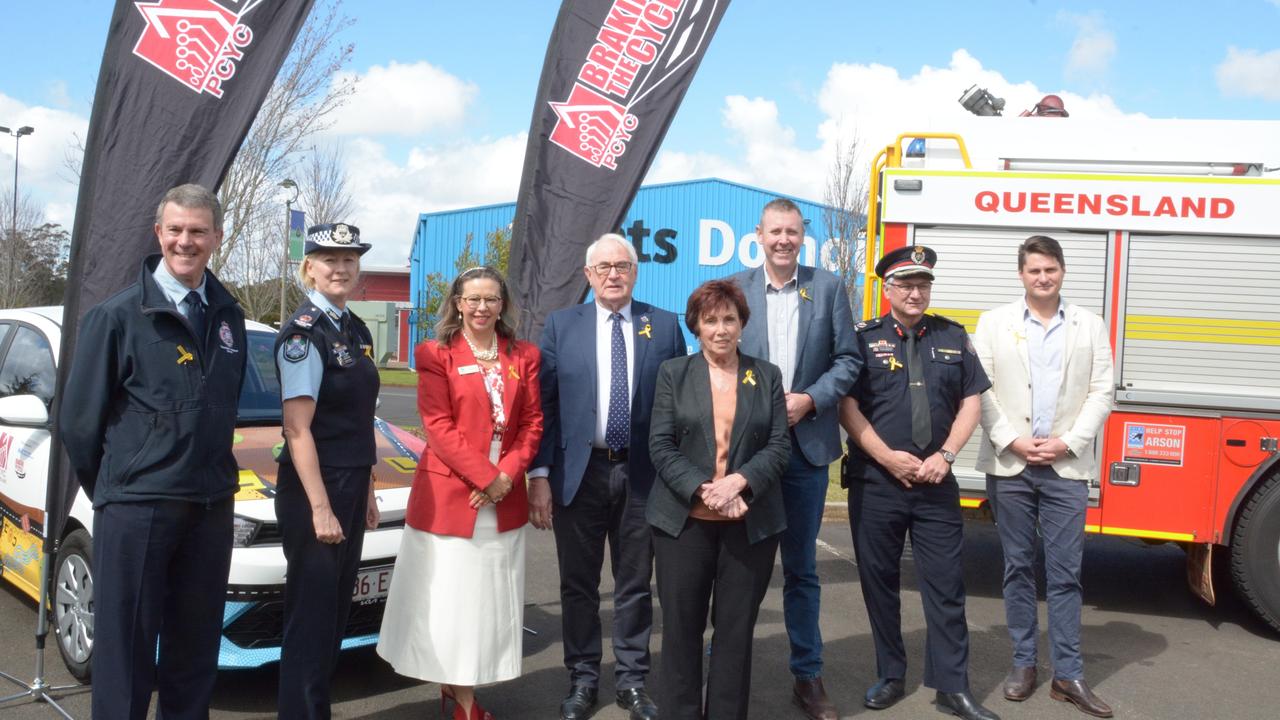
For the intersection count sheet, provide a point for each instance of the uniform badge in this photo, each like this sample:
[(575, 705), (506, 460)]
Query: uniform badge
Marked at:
[(917, 255), (343, 355), (341, 234), (227, 338), (862, 325), (335, 316), (880, 346), (296, 347), (303, 321)]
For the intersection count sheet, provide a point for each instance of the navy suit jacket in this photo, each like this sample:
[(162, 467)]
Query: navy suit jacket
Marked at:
[(827, 363), (569, 378)]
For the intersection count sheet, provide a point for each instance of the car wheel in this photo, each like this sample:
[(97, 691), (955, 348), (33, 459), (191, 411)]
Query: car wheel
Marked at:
[(73, 603), (1255, 552)]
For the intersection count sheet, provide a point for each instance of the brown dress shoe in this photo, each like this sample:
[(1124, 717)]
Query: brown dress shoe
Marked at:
[(1078, 693), (1020, 683), (811, 697)]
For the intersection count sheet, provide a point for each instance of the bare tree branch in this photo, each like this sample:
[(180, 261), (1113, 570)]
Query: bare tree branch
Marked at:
[(322, 185), (845, 216)]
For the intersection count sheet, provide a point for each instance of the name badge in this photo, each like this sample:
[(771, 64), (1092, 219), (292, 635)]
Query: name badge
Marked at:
[(468, 369)]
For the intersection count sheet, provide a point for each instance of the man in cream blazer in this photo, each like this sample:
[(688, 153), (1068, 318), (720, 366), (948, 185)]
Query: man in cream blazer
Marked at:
[(1052, 375)]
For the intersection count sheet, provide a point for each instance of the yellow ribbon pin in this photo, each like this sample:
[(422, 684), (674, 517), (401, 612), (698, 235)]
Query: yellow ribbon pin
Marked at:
[(804, 293), (184, 357), (512, 372), (647, 331), (749, 377), (894, 364), (368, 351)]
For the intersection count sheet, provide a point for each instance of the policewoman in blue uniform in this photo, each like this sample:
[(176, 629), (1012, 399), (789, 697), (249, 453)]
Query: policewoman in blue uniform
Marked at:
[(324, 493), (914, 405)]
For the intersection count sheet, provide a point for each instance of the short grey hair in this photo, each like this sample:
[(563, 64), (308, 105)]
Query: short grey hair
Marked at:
[(192, 197), (611, 237)]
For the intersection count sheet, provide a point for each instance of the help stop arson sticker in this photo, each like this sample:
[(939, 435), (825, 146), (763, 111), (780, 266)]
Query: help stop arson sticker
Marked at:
[(1154, 444)]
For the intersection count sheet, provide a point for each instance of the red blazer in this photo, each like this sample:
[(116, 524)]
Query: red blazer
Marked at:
[(458, 420)]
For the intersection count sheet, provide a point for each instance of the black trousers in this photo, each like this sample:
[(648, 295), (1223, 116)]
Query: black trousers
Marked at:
[(881, 514), (160, 571), (318, 585), (709, 559), (605, 509)]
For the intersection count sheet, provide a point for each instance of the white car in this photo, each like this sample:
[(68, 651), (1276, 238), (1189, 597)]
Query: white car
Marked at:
[(253, 620)]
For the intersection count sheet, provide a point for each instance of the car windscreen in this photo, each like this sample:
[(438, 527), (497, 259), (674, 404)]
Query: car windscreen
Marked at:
[(260, 394)]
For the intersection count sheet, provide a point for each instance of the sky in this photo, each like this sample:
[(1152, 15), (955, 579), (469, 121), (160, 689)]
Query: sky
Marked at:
[(445, 90)]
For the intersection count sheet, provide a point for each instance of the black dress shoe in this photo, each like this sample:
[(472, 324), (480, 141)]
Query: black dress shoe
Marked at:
[(884, 694), (638, 703), (963, 705), (579, 703)]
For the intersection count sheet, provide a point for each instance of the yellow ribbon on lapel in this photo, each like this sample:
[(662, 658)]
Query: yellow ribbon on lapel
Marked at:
[(184, 357), (749, 378), (894, 364), (647, 331), (512, 372), (804, 293)]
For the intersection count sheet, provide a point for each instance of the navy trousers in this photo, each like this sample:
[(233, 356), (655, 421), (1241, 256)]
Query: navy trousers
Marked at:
[(1038, 502), (318, 586), (160, 571), (881, 514), (710, 559), (605, 509)]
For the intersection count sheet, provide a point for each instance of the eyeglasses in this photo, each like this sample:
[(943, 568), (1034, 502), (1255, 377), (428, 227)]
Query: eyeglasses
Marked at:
[(475, 301), (603, 269), (923, 288)]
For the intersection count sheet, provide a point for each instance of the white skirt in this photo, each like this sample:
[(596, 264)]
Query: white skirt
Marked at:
[(455, 611)]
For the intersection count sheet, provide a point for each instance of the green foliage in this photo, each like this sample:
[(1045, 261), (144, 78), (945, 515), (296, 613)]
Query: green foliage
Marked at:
[(497, 252)]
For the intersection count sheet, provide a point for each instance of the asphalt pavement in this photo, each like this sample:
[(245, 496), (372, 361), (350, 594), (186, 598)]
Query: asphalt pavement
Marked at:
[(1151, 649)]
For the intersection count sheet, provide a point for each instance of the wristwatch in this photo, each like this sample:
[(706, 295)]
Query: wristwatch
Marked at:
[(949, 456)]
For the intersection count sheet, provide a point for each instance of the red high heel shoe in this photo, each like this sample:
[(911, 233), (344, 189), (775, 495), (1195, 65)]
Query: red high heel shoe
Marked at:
[(477, 712), (446, 697)]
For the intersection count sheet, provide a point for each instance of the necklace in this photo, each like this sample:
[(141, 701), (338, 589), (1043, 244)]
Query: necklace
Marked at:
[(483, 355)]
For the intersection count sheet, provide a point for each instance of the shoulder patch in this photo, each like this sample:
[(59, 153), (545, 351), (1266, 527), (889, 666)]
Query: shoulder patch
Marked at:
[(867, 325), (296, 347), (949, 321), (306, 316)]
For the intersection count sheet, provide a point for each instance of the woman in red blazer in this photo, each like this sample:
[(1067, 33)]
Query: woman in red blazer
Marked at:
[(454, 614)]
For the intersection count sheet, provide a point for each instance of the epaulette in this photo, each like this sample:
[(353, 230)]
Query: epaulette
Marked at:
[(306, 316), (949, 321), (868, 324)]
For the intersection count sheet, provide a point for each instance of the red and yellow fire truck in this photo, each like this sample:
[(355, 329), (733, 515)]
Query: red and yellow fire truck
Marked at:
[(1182, 260)]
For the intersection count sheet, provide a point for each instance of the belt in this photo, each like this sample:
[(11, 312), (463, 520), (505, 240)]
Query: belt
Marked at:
[(614, 456)]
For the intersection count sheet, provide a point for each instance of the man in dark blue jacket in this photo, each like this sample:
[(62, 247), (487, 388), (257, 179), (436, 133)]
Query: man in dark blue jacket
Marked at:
[(599, 369), (150, 413)]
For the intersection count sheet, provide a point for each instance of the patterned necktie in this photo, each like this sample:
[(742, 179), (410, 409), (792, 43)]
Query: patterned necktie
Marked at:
[(195, 314), (618, 425), (921, 424)]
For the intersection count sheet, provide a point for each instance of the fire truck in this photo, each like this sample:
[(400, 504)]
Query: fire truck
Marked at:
[(1171, 233)]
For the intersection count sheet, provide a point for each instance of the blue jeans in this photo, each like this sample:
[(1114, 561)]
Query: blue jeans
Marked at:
[(1039, 499), (804, 493)]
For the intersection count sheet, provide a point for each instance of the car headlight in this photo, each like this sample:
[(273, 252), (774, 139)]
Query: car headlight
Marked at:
[(243, 531)]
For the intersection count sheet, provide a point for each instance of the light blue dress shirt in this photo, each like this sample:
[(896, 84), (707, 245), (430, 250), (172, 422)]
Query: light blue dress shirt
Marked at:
[(302, 378), (173, 288), (1045, 345)]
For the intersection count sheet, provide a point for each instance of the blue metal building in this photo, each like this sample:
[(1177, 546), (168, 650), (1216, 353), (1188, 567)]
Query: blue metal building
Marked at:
[(685, 233)]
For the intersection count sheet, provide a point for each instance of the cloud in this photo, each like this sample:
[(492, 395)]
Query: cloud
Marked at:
[(57, 94), (403, 99), (41, 174), (1249, 73), (870, 102), (1093, 48), (388, 195)]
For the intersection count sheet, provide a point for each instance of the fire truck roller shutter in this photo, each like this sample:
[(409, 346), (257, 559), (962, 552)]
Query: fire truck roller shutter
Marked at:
[(978, 270), (1202, 322)]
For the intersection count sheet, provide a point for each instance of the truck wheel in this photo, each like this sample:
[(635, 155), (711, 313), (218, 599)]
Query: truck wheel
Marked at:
[(1255, 552), (73, 603)]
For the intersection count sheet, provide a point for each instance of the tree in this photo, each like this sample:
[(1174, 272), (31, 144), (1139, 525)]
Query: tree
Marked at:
[(497, 253), (322, 186), (34, 267), (845, 217)]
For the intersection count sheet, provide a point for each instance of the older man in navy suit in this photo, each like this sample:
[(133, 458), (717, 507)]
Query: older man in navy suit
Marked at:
[(801, 322), (599, 367)]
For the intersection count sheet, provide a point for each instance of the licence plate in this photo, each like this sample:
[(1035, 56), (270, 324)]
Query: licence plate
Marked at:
[(372, 584)]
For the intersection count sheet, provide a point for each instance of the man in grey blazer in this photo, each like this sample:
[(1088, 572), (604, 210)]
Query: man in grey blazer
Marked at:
[(802, 323)]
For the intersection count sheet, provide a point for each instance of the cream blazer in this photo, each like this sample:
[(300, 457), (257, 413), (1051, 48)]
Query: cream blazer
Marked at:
[(1084, 399)]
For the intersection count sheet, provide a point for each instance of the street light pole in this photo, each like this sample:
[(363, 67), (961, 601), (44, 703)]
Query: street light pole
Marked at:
[(13, 228), (284, 257)]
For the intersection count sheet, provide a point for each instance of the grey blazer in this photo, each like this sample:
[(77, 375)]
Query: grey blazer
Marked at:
[(826, 362), (683, 446)]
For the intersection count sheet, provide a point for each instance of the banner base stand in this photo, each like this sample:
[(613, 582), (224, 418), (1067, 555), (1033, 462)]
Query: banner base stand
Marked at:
[(38, 690)]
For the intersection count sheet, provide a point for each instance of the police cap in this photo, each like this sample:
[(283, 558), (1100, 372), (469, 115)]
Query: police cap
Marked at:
[(910, 260), (335, 236)]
